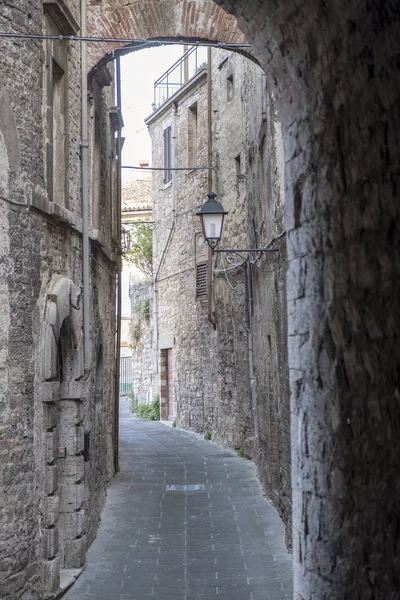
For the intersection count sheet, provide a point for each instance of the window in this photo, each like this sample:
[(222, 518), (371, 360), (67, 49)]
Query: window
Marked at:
[(192, 136), (229, 88), (167, 155), (56, 100), (58, 141), (96, 172), (201, 280), (238, 166)]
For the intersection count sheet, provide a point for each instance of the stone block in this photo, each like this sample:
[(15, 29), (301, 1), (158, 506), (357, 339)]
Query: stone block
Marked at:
[(51, 479), (49, 391), (50, 415), (71, 469), (50, 538), (51, 576), (71, 497), (75, 553), (71, 434), (51, 510), (74, 390), (51, 446), (50, 350), (72, 524)]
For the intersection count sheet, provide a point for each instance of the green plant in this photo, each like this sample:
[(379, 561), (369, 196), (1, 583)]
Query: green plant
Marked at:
[(145, 309), (151, 412), (240, 451), (141, 253), (156, 407), (133, 402), (174, 423), (136, 333), (207, 435), (201, 66)]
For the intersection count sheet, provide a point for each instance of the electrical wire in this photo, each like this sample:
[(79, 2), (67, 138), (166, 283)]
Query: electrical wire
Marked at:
[(136, 42), (169, 169)]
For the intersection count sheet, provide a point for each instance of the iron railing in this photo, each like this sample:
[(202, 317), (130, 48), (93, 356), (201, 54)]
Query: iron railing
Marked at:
[(125, 375), (188, 65)]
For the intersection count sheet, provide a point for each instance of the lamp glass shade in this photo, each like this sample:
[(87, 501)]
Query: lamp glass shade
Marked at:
[(212, 218), (212, 228)]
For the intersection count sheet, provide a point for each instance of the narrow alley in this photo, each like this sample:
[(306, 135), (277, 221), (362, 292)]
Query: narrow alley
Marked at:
[(184, 519)]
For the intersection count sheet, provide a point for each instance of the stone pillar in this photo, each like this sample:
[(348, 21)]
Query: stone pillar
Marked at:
[(71, 484), (49, 394)]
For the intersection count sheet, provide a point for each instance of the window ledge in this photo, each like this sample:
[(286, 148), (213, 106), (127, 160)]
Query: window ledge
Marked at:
[(62, 16)]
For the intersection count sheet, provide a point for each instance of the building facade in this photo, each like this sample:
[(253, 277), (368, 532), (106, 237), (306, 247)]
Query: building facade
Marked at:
[(220, 321), (136, 208), (57, 398)]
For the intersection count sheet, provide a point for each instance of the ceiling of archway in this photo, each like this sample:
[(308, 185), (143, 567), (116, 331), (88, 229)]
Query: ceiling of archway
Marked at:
[(143, 19)]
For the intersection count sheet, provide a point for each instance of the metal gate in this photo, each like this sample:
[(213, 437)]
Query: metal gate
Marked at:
[(125, 374)]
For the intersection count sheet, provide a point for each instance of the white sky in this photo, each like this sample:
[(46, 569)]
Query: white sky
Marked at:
[(139, 71)]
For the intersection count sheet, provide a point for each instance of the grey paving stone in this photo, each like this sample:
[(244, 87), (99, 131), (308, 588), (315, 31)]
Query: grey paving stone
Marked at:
[(224, 540)]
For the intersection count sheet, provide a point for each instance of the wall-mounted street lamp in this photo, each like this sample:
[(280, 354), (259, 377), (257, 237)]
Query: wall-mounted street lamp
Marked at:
[(212, 215)]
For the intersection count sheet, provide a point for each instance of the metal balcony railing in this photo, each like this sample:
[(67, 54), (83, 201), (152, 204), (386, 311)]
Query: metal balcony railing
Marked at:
[(190, 63)]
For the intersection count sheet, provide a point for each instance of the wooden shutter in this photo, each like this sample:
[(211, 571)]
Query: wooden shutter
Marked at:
[(201, 280)]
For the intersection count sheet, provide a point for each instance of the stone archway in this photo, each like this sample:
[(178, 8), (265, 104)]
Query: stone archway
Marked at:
[(61, 394), (138, 19), (333, 70)]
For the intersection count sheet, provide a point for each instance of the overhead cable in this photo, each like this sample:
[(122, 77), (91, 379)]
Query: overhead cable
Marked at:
[(135, 42)]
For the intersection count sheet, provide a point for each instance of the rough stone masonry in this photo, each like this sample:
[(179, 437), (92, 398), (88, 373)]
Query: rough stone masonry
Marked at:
[(51, 494), (333, 70)]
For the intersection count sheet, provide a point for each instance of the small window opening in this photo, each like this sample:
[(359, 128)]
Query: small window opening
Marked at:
[(192, 136), (238, 166), (59, 133), (96, 183), (229, 88)]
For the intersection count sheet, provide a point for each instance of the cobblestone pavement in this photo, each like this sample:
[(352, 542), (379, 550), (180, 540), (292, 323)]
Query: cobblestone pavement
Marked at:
[(184, 519)]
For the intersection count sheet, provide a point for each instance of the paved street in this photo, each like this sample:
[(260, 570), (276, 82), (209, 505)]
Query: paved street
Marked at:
[(184, 519)]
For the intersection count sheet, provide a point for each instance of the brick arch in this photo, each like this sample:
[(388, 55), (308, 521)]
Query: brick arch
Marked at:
[(187, 20)]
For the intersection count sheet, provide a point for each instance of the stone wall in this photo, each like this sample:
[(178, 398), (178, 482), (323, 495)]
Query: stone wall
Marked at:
[(141, 339), (333, 69), (50, 498)]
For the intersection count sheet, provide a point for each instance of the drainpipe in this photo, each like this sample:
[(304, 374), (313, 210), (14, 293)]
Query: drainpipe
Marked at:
[(173, 147), (87, 350), (210, 186), (263, 96), (247, 303), (119, 269), (173, 210)]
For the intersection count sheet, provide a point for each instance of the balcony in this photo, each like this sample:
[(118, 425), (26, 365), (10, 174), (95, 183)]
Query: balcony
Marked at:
[(190, 63)]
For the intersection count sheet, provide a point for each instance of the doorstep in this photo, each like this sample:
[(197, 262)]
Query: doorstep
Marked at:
[(67, 578)]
